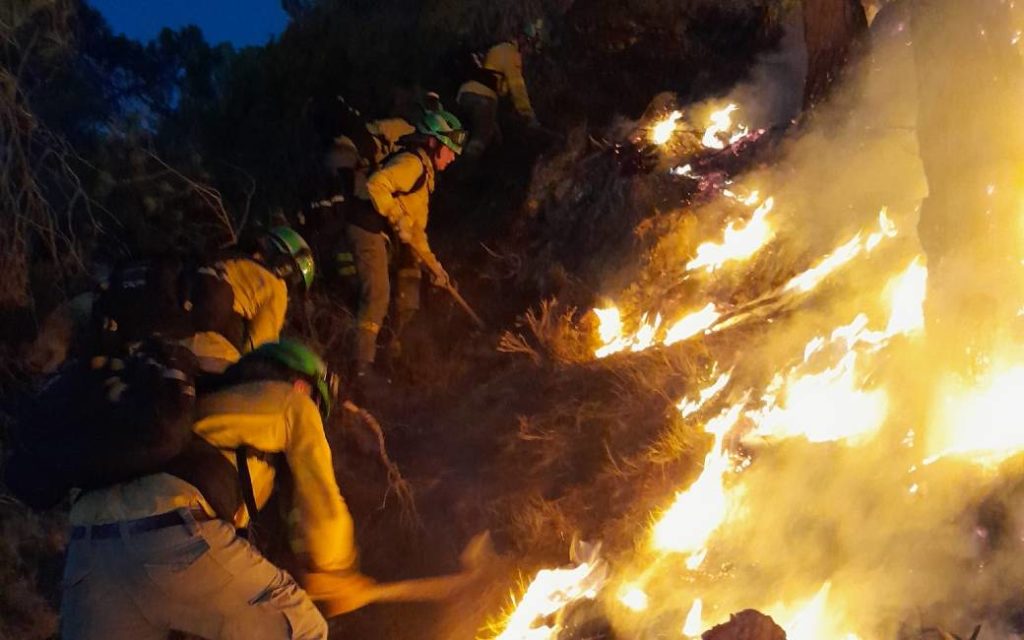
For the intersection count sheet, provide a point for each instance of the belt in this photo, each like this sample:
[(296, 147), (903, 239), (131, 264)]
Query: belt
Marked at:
[(135, 527)]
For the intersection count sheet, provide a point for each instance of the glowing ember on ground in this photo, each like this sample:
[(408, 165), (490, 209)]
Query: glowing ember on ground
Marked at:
[(549, 593), (698, 511), (739, 243), (633, 598), (694, 623), (721, 123), (979, 421), (662, 131), (691, 325)]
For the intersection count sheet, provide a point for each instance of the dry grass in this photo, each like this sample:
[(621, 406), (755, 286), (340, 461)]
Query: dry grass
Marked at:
[(551, 333)]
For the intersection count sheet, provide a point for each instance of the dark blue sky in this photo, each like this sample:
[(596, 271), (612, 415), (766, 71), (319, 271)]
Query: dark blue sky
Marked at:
[(241, 22)]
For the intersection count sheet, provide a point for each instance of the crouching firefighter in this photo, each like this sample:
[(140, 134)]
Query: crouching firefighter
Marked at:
[(260, 281), (153, 544), (400, 196)]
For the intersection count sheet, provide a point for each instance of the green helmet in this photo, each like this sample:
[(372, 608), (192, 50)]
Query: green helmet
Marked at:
[(444, 126), (287, 241), (302, 360)]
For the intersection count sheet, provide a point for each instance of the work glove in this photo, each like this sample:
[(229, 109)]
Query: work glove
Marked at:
[(338, 592)]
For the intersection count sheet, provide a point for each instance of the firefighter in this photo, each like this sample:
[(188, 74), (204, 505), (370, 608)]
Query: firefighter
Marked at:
[(259, 283), (498, 75), (399, 195), (152, 555)]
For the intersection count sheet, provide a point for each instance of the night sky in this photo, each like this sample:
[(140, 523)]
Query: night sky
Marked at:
[(241, 22)]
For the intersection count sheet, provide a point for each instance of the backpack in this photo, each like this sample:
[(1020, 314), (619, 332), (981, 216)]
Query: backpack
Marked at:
[(101, 421), (167, 296)]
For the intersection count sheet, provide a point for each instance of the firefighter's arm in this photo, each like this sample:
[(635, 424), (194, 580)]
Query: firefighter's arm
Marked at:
[(265, 326), (324, 522), (421, 247), (517, 86), (396, 177)]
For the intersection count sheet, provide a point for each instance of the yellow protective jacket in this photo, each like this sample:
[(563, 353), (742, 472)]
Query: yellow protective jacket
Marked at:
[(400, 191), (260, 297), (272, 417), (504, 59)]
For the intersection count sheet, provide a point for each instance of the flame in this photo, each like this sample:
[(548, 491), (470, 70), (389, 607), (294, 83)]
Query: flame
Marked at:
[(694, 623), (610, 327), (979, 421), (643, 339), (846, 252), (750, 199), (697, 512), (830, 406), (633, 598), (662, 131), (811, 278), (550, 592), (811, 620), (887, 229), (691, 325), (824, 407), (721, 123), (613, 337), (739, 243), (687, 409), (906, 294)]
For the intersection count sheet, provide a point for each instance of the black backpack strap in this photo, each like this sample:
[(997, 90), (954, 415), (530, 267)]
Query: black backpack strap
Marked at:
[(245, 481)]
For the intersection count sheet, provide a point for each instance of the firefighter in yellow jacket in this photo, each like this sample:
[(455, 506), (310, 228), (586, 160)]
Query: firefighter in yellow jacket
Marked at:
[(260, 286), (498, 75), (154, 554), (400, 195)]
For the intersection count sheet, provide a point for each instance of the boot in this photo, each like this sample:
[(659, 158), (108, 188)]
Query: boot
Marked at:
[(367, 384)]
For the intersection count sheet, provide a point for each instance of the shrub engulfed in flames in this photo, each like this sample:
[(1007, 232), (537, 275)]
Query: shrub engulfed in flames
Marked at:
[(829, 394)]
